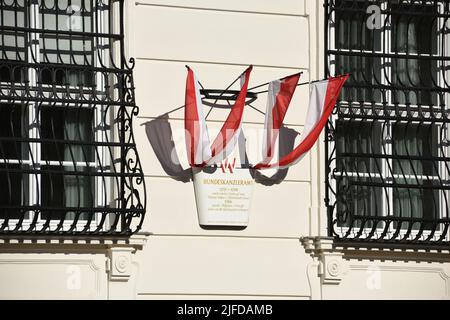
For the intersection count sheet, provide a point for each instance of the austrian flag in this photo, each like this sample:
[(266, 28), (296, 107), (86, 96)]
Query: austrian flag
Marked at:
[(279, 98), (200, 153), (197, 139), (323, 97)]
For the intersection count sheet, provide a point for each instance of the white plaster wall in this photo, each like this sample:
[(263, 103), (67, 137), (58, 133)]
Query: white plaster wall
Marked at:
[(180, 260), (379, 279), (39, 274), (218, 40)]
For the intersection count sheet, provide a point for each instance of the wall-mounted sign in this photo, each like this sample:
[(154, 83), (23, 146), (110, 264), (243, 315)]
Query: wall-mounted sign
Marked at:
[(223, 196)]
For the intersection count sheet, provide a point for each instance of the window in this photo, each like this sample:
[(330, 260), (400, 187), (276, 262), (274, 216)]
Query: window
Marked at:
[(387, 141), (13, 41), (68, 161), (67, 190), (357, 139), (351, 34), (413, 144)]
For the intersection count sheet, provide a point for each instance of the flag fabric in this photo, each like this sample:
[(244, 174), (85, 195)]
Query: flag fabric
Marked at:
[(279, 97), (200, 153), (228, 136), (323, 97), (197, 139)]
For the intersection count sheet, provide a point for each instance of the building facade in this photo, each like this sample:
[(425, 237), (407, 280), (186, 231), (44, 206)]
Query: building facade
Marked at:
[(93, 205)]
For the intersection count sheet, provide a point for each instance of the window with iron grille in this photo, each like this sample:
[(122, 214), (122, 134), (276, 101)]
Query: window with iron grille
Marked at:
[(388, 172), (68, 160)]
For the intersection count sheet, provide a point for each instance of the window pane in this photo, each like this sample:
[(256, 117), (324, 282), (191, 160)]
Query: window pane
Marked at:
[(13, 14), (351, 29), (13, 191), (67, 124), (358, 194), (356, 141), (414, 34), (65, 188), (66, 48), (365, 72), (418, 144), (417, 140), (352, 35), (13, 124)]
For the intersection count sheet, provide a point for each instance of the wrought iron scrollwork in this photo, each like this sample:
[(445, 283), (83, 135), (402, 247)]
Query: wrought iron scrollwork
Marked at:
[(68, 158), (387, 142)]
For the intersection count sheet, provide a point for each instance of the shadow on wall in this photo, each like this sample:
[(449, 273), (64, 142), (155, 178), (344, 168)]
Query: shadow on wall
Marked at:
[(286, 144), (160, 135)]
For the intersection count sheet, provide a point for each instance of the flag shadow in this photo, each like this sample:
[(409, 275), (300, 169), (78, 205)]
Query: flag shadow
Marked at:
[(286, 144), (160, 135)]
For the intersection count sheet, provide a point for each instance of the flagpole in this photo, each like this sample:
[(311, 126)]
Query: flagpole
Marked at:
[(265, 84), (299, 84), (221, 94), (258, 92), (223, 91)]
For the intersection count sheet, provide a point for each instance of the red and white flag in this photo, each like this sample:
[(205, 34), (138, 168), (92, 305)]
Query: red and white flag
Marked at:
[(197, 139), (324, 95), (200, 153), (279, 97), (228, 136)]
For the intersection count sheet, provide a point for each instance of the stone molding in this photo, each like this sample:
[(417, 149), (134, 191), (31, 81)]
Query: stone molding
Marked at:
[(332, 266), (120, 263)]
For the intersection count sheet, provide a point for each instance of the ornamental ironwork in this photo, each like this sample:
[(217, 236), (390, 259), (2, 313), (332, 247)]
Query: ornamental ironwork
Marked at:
[(68, 158), (388, 142)]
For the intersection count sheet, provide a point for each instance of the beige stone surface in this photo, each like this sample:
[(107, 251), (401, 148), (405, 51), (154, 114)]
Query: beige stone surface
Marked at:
[(160, 87), (175, 265), (392, 280), (147, 135), (286, 7), (172, 210), (180, 260), (213, 36), (52, 276)]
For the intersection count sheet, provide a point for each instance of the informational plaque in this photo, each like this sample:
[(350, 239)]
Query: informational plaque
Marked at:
[(223, 196)]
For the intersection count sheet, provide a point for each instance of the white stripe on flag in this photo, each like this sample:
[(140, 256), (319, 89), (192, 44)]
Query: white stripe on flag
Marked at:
[(203, 149), (269, 134)]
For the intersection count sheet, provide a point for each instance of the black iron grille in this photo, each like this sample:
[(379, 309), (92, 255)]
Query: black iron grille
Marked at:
[(388, 141), (68, 159)]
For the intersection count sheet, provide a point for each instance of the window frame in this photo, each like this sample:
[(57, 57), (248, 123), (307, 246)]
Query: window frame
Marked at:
[(34, 116), (353, 107)]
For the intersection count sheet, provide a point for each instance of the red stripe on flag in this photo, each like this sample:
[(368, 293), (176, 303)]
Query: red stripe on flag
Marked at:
[(333, 89), (191, 118), (282, 102), (233, 121), (284, 97)]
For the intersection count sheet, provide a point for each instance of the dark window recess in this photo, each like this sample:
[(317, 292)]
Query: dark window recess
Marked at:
[(68, 159), (414, 32), (387, 142), (12, 73), (67, 193), (416, 145), (356, 141), (352, 35), (65, 49), (13, 41), (69, 132), (13, 126), (13, 195), (67, 78)]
